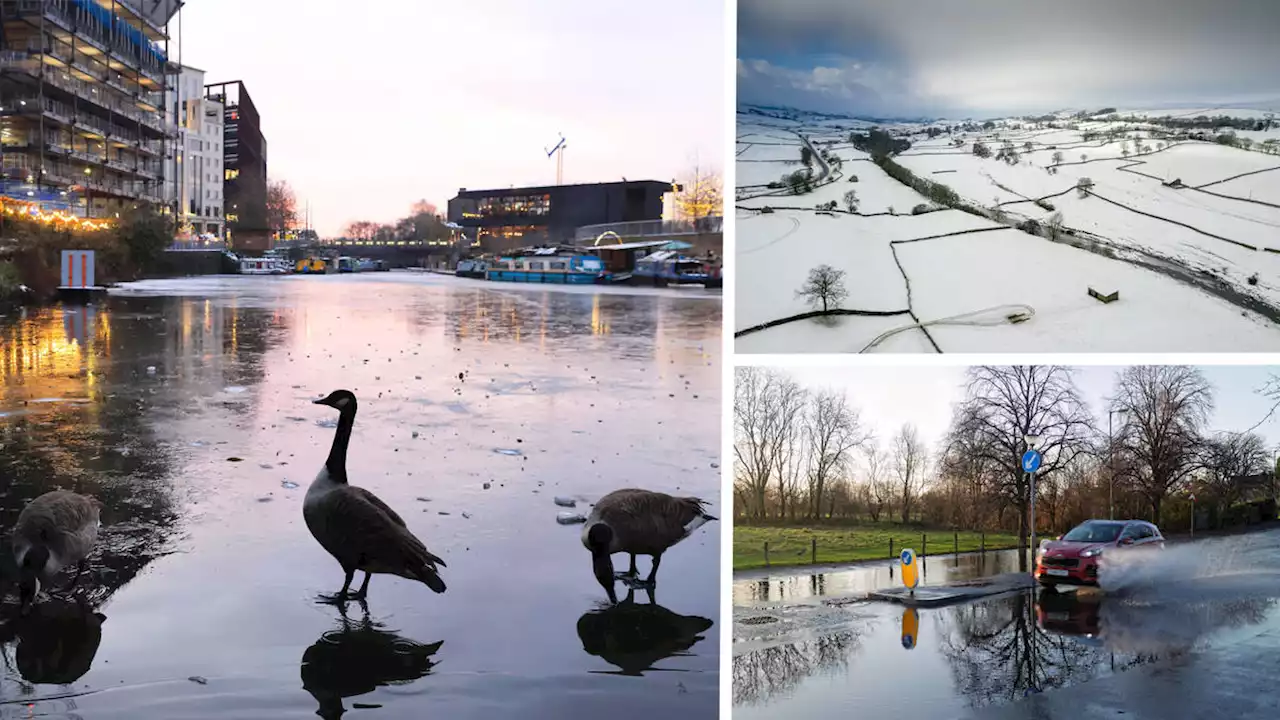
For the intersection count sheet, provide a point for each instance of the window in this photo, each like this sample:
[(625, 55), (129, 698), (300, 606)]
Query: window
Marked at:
[(231, 174), (537, 265), (558, 265)]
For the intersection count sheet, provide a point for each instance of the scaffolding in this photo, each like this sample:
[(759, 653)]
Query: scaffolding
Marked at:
[(83, 105)]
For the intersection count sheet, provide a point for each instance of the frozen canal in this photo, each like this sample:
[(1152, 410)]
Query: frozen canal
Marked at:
[(185, 406), (1192, 634)]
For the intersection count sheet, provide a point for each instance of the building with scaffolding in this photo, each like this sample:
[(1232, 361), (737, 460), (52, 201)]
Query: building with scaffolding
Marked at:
[(198, 170), (244, 167), (500, 220), (82, 103)]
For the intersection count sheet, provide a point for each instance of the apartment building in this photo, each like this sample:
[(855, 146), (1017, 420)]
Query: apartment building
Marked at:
[(197, 167), (245, 167), (82, 103)]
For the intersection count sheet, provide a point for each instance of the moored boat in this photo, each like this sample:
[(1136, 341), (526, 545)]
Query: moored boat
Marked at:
[(547, 265)]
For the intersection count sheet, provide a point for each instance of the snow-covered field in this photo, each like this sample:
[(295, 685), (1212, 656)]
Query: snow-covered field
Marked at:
[(1162, 248)]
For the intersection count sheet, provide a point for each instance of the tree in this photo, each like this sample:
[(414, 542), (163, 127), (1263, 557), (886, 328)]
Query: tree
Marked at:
[(1084, 185), (879, 485), (1083, 157), (806, 156), (1002, 406), (145, 233), (1057, 158), (799, 182), (981, 150), (1167, 406), (825, 287), (909, 459), (701, 195), (1233, 462), (851, 201), (766, 411), (282, 206), (1054, 224), (424, 207), (833, 429)]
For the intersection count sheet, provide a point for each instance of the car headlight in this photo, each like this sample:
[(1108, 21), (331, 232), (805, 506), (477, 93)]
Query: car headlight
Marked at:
[(1091, 552)]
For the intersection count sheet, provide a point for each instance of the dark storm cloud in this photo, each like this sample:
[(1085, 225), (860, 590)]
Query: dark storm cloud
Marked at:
[(1006, 55)]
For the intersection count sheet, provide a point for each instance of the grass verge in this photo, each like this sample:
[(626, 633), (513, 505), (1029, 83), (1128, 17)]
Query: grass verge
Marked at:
[(789, 546)]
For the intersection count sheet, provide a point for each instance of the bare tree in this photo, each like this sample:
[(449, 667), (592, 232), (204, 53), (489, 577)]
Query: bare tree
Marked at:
[(1057, 158), (879, 484), (909, 460), (766, 407), (1054, 225), (1083, 157), (824, 287), (1005, 404), (1083, 186), (833, 431), (1167, 407), (1236, 464), (851, 201)]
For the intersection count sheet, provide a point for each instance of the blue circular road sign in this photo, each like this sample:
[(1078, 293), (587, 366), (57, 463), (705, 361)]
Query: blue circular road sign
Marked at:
[(1031, 461), (907, 556)]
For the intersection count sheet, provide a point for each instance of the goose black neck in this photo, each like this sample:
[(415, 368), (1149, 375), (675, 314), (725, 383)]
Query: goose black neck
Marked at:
[(337, 462)]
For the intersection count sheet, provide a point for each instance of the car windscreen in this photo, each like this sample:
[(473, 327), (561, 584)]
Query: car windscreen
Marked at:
[(1097, 532)]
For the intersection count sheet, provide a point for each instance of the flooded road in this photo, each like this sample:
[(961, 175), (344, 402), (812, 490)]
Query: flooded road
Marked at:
[(1191, 634), (185, 406)]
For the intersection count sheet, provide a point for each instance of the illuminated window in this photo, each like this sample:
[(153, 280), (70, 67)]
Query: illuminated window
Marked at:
[(231, 174)]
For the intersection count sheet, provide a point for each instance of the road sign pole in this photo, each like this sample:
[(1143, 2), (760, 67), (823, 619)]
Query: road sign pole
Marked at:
[(1033, 522)]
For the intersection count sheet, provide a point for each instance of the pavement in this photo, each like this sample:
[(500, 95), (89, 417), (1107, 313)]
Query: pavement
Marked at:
[(954, 593)]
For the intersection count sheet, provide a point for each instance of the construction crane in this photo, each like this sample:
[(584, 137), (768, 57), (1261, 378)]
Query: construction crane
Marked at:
[(558, 151)]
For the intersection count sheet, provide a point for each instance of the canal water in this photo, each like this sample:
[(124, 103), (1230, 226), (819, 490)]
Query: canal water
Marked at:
[(812, 646), (185, 406)]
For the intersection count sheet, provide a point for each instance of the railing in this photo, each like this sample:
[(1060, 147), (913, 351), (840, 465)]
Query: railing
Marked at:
[(650, 228), (197, 246), (89, 92), (93, 22)]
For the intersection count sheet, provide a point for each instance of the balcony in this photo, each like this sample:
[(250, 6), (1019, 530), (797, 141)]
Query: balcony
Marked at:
[(102, 95), (650, 229), (92, 22)]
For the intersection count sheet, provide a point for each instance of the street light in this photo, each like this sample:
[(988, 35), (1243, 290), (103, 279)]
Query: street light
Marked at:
[(88, 194), (1111, 466)]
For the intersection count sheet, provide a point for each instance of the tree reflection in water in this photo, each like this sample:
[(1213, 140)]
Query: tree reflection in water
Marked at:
[(759, 675), (635, 636), (358, 658)]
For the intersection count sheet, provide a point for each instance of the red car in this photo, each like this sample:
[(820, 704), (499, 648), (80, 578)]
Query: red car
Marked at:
[(1073, 558)]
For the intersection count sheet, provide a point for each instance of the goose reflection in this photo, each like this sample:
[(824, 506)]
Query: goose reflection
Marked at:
[(634, 636), (358, 658), (56, 641)]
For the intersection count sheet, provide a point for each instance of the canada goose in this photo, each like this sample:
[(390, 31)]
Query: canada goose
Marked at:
[(357, 528), (638, 522), (54, 531)]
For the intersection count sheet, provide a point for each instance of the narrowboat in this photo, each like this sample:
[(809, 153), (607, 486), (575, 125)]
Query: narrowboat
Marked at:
[(347, 265), (471, 268), (669, 267), (547, 265), (263, 266), (311, 266)]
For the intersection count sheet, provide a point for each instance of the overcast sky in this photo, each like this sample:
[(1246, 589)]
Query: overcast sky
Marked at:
[(889, 397), (991, 57), (368, 107)]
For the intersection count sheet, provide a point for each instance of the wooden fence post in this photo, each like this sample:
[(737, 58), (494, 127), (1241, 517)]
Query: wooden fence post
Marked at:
[(984, 543), (924, 544), (813, 552), (891, 555), (957, 543), (766, 553)]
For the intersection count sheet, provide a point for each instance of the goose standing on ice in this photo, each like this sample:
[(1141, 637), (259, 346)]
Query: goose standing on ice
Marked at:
[(357, 528), (638, 522), (54, 531)]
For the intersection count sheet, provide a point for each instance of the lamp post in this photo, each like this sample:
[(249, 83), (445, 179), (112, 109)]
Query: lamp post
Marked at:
[(1033, 442), (88, 194), (1111, 466)]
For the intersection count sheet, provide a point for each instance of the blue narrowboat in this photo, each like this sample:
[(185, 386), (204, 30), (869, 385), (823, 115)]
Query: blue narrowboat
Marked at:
[(547, 265), (669, 267)]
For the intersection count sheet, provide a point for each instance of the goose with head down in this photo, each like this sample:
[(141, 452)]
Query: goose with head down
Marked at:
[(54, 531), (638, 522), (359, 530)]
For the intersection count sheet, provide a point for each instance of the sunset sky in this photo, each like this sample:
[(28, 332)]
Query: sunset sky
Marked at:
[(369, 107)]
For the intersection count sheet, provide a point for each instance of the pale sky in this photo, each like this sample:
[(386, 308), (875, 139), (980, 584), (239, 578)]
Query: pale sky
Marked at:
[(888, 397), (368, 107), (995, 57)]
